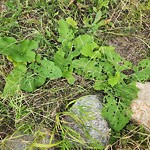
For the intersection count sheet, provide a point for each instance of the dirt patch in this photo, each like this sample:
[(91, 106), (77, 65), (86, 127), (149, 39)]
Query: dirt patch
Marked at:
[(131, 48), (2, 83)]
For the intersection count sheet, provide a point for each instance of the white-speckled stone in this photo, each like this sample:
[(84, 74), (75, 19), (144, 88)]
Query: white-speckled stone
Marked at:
[(141, 105), (88, 109)]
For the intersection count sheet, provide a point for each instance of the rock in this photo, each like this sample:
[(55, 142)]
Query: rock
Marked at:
[(88, 110), (21, 141), (141, 105), (18, 142)]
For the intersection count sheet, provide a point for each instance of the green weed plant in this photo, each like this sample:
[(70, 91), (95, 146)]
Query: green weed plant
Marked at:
[(77, 54), (30, 70)]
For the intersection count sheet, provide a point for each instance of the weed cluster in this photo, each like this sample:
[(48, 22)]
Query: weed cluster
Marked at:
[(58, 51)]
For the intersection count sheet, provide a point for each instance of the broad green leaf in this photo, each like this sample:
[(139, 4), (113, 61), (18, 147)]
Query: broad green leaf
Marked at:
[(142, 71), (13, 80), (111, 55), (28, 83), (70, 21), (47, 69), (18, 51), (81, 40), (6, 44), (31, 82), (65, 33), (23, 56), (88, 68), (64, 65), (28, 45), (23, 51), (100, 84), (68, 75), (126, 91), (39, 80), (87, 50), (118, 114), (108, 67), (113, 80)]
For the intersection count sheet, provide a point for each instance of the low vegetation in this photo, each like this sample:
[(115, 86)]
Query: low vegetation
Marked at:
[(53, 52)]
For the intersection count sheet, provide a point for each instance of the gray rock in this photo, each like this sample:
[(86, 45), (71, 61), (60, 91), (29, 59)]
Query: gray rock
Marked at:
[(20, 141), (93, 126)]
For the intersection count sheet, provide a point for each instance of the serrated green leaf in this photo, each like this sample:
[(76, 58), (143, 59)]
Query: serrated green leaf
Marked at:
[(124, 65), (117, 114), (88, 68), (87, 50), (142, 71), (65, 33), (81, 40), (47, 69), (111, 55), (59, 58), (113, 80), (100, 84), (108, 67), (69, 51), (68, 75), (126, 91)]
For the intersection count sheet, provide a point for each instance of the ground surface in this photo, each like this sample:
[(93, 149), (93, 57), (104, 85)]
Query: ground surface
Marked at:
[(129, 33)]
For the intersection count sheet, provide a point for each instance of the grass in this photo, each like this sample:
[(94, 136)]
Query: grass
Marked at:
[(27, 112)]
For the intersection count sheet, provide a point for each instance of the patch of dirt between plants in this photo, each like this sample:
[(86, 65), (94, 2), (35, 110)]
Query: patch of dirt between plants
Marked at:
[(2, 83), (131, 48)]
